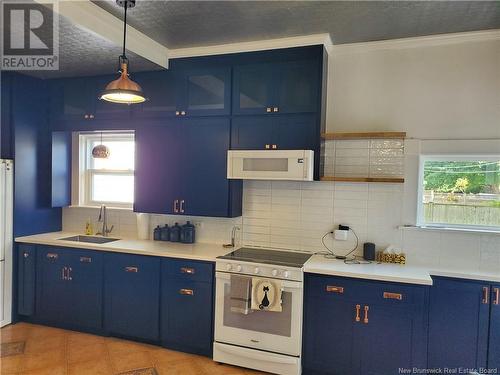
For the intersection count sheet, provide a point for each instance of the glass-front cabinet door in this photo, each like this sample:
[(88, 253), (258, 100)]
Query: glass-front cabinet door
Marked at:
[(205, 92), (253, 89)]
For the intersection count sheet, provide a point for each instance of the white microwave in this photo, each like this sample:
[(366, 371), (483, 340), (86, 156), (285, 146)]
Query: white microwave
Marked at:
[(295, 165)]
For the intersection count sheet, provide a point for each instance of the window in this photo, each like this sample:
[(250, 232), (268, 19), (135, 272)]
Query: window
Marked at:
[(107, 181), (462, 192)]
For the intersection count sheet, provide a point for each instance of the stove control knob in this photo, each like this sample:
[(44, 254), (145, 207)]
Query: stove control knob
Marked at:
[(286, 274), (238, 268), (229, 267), (256, 270), (274, 272)]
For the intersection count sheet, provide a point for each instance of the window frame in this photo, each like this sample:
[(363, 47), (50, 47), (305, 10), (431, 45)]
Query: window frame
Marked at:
[(420, 192), (87, 172)]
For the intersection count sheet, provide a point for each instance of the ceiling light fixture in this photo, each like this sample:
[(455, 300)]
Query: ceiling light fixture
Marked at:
[(123, 90)]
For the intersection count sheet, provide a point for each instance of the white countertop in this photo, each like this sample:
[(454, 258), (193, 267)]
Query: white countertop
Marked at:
[(197, 251)]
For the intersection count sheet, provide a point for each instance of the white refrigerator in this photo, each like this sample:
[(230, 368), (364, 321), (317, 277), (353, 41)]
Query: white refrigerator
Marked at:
[(6, 240)]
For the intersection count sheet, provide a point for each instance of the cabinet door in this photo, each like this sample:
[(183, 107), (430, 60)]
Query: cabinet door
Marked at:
[(86, 271), (61, 169), (26, 280), (328, 330), (158, 177), (187, 312), (390, 339), (494, 342), (160, 90), (253, 88), (205, 145), (53, 295), (458, 324), (253, 133), (206, 92), (104, 110), (132, 296), (71, 98), (298, 87), (296, 132)]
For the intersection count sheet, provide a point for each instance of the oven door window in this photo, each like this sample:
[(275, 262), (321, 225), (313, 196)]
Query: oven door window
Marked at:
[(270, 322)]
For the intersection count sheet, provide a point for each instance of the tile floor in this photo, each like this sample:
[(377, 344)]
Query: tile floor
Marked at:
[(52, 351)]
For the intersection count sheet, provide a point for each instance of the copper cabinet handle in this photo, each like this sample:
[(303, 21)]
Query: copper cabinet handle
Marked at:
[(183, 113), (390, 295), (186, 292), (177, 113), (131, 269), (52, 256), (176, 206), (486, 293), (496, 291), (85, 259), (335, 289), (26, 254), (358, 308), (268, 147), (268, 109), (274, 147), (91, 116), (182, 206), (86, 116), (188, 270), (63, 274), (365, 320), (276, 109), (69, 274)]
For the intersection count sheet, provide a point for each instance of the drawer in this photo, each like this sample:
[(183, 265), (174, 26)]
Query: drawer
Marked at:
[(364, 291), (192, 270)]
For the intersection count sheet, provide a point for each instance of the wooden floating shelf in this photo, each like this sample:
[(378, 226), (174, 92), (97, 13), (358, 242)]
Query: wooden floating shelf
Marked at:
[(363, 179), (366, 135)]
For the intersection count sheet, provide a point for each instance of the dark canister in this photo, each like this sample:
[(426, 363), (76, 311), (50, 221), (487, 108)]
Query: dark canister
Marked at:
[(164, 233), (175, 233), (369, 251), (188, 233), (157, 233)]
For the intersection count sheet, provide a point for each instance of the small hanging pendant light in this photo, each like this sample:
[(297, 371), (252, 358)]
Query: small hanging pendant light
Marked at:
[(100, 151), (123, 90)]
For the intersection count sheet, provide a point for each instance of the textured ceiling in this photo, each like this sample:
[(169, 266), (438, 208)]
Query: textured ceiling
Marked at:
[(178, 24)]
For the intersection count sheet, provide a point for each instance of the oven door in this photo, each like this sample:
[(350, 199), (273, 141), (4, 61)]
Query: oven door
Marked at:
[(279, 332)]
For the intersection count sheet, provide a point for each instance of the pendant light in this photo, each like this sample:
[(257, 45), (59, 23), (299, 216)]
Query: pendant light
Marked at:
[(123, 90), (100, 151)]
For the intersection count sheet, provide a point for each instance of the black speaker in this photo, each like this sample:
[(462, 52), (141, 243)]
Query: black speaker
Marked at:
[(369, 251)]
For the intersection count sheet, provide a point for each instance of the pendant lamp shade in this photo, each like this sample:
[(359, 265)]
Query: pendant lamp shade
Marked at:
[(123, 90)]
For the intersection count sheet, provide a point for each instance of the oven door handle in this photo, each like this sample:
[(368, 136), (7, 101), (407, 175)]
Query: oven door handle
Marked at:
[(223, 276)]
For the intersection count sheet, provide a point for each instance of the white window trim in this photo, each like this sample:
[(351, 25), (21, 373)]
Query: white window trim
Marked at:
[(442, 157), (81, 175)]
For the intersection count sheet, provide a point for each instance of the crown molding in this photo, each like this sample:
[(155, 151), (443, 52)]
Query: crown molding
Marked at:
[(416, 42), (258, 45)]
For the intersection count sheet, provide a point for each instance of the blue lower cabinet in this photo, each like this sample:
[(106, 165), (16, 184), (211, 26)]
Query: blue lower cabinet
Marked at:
[(69, 288), (187, 306), (132, 296), (458, 323), (363, 327), (494, 339), (26, 271)]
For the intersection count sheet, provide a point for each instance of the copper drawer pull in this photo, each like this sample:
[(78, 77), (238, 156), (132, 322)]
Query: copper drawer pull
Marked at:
[(86, 259), (188, 270), (276, 109), (176, 206), (486, 293), (496, 291), (26, 254), (389, 295), (358, 308), (186, 292), (268, 109), (182, 206), (335, 289), (365, 320), (131, 269), (52, 256)]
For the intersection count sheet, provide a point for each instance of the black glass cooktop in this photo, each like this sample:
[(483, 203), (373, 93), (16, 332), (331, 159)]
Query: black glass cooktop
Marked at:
[(266, 256)]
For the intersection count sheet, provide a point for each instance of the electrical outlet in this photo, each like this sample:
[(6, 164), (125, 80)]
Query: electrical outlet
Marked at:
[(198, 224)]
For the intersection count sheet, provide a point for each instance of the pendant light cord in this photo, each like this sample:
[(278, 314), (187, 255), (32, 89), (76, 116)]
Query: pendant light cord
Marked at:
[(124, 31)]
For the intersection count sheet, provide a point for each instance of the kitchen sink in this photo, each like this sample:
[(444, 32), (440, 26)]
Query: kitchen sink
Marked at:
[(89, 239)]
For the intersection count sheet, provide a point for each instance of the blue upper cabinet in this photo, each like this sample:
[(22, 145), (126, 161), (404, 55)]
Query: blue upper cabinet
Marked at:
[(276, 87), (61, 169), (160, 90), (458, 323), (494, 340)]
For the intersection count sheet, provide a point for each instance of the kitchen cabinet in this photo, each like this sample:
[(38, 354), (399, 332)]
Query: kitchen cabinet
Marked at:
[(166, 178), (494, 337), (187, 306), (277, 87), (291, 132), (61, 169), (363, 327), (132, 296), (459, 319), (160, 90), (69, 290), (26, 279)]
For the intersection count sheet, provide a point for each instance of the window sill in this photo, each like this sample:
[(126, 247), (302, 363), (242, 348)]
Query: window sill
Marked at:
[(107, 207), (449, 229)]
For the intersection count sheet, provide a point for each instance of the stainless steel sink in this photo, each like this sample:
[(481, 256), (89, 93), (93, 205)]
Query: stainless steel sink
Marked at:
[(89, 239)]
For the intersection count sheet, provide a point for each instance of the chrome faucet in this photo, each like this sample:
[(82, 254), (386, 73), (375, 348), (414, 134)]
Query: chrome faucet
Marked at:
[(233, 236), (103, 218)]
